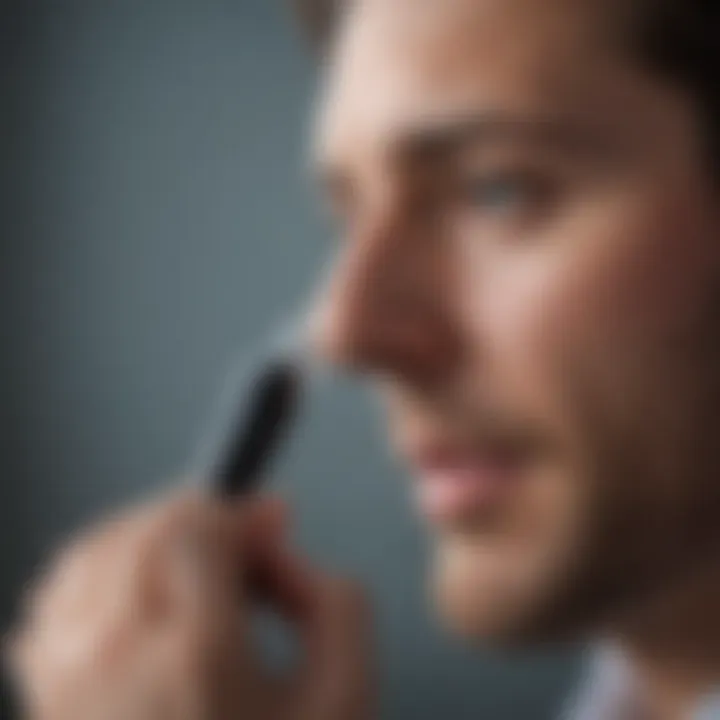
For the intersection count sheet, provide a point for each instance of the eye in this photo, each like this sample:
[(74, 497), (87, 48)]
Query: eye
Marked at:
[(503, 192)]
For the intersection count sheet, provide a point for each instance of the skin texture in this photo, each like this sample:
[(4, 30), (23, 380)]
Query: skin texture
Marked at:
[(531, 249)]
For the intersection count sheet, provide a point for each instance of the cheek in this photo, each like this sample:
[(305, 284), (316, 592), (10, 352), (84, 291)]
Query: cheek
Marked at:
[(639, 279), (602, 295), (602, 334)]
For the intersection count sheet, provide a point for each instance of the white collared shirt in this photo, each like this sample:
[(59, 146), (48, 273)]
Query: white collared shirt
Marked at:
[(609, 693)]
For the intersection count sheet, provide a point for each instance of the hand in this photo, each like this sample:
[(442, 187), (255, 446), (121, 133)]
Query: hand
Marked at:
[(146, 618)]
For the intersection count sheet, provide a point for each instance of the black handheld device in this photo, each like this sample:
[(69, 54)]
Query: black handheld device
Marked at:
[(258, 427)]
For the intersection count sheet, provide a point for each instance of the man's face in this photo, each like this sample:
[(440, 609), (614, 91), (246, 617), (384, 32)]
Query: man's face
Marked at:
[(530, 271)]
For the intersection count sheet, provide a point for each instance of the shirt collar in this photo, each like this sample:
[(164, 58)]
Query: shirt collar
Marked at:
[(608, 691)]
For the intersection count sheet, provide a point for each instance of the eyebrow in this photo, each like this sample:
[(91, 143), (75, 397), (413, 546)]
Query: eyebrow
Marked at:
[(445, 136), (442, 137)]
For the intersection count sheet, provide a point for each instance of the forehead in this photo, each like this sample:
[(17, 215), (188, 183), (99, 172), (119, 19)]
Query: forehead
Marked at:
[(399, 63)]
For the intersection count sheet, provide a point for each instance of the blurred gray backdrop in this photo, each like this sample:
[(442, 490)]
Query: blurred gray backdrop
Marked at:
[(155, 218)]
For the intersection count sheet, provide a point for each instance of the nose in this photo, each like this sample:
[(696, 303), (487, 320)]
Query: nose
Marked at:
[(388, 306)]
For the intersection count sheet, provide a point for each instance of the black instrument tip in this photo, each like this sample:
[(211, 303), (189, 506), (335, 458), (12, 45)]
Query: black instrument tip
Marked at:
[(256, 434)]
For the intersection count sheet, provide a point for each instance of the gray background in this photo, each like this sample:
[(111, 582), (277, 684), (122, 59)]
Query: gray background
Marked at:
[(155, 218)]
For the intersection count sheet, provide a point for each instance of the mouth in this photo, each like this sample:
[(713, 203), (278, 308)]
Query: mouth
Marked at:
[(460, 483)]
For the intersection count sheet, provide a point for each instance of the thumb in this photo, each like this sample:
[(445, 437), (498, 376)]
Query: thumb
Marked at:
[(258, 522)]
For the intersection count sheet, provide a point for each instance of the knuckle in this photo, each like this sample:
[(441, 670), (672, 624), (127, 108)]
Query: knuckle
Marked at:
[(178, 526), (187, 515), (169, 517)]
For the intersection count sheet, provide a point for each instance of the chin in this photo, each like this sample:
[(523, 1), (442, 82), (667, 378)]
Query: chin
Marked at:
[(500, 599)]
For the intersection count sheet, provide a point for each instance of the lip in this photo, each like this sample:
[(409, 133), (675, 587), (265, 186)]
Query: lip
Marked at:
[(456, 484)]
